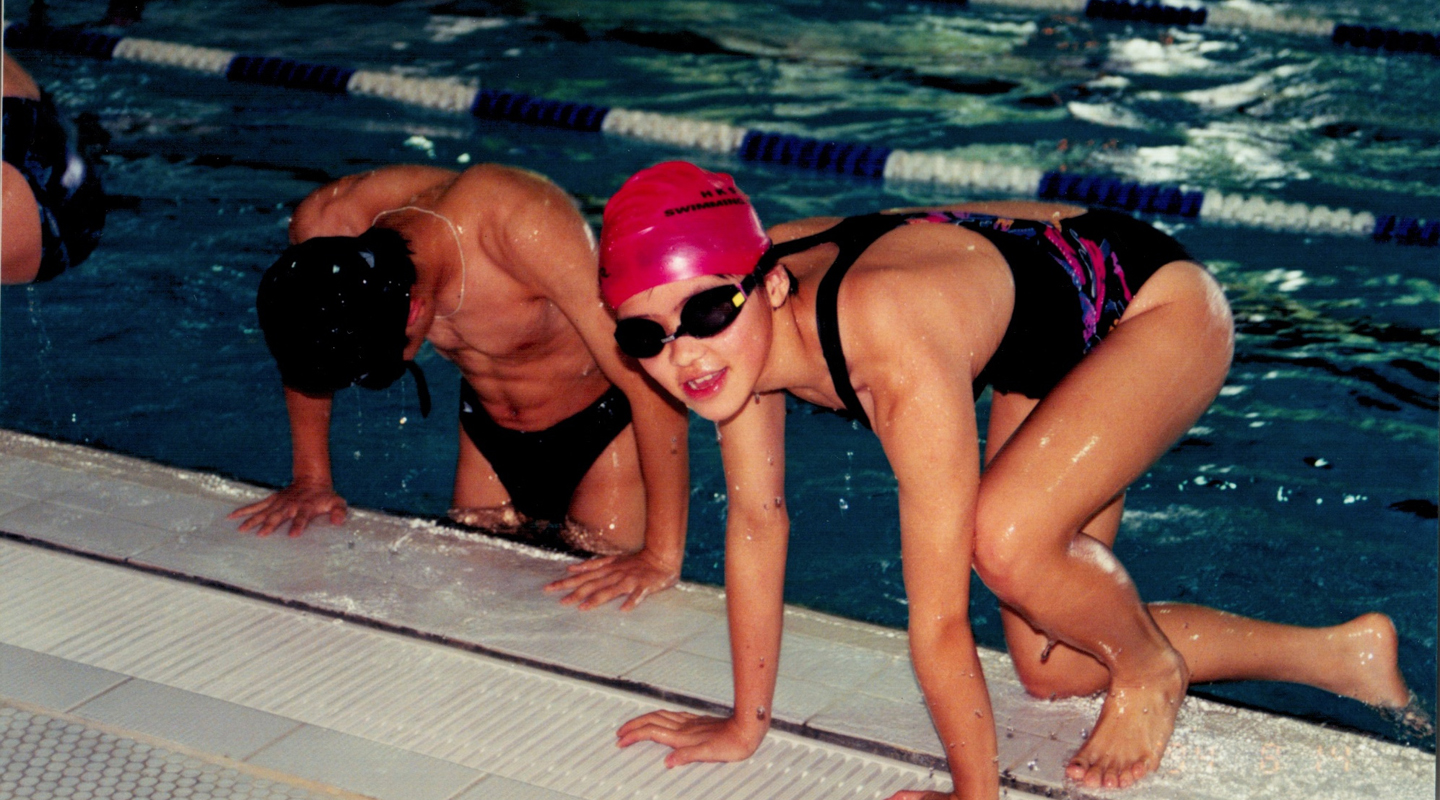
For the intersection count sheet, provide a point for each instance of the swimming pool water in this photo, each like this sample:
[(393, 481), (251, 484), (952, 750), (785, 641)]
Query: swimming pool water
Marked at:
[(1306, 495)]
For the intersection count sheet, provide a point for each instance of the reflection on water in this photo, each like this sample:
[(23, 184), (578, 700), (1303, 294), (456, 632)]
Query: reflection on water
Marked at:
[(1306, 494)]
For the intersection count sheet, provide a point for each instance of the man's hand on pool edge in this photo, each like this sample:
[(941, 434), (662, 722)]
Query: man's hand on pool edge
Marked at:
[(598, 581), (297, 504)]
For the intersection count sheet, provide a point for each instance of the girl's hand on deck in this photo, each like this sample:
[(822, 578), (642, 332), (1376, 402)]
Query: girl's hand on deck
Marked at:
[(598, 581), (297, 504), (692, 736)]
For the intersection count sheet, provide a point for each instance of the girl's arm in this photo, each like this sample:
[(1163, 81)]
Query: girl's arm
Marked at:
[(925, 418), (757, 531)]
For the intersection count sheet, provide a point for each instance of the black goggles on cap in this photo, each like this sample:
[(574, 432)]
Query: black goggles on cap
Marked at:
[(704, 314)]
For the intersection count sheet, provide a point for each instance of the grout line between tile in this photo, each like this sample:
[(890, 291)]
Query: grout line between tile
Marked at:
[(92, 698)]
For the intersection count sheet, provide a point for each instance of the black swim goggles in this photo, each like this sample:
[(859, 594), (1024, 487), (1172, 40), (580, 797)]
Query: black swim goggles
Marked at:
[(704, 314)]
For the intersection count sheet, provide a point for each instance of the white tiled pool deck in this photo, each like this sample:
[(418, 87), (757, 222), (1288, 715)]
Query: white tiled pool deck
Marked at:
[(396, 658)]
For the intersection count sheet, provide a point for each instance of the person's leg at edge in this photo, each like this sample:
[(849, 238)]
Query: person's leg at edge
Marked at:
[(607, 511), (1358, 658), (480, 500), (1092, 435)]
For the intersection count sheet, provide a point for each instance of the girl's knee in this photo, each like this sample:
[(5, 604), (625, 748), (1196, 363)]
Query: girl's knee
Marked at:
[(1004, 554)]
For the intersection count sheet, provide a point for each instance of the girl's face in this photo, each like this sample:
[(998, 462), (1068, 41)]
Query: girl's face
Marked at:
[(715, 375)]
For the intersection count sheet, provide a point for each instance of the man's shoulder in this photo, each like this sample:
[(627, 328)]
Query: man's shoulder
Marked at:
[(512, 182)]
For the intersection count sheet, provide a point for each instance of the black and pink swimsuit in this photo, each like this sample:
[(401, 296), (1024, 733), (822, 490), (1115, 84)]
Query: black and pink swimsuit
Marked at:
[(1072, 283)]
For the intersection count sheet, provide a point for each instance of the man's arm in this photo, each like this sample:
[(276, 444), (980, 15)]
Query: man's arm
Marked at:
[(342, 208), (311, 493), (560, 264)]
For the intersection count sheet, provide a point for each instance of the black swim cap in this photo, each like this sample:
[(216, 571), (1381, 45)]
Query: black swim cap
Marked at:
[(334, 311)]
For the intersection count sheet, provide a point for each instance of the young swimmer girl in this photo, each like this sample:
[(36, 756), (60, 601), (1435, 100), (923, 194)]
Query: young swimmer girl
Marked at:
[(1103, 341)]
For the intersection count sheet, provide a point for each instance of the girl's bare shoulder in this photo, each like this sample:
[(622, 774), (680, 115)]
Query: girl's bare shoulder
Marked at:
[(796, 229)]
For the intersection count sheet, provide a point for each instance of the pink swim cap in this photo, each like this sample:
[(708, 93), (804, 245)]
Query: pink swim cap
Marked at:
[(675, 221)]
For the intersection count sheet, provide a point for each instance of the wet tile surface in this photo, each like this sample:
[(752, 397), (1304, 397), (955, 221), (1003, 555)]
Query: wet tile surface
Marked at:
[(85, 531), (194, 720), (371, 769), (497, 788)]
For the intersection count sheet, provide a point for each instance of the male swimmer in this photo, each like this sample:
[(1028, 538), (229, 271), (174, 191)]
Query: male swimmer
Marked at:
[(496, 268), (1103, 341), (53, 205)]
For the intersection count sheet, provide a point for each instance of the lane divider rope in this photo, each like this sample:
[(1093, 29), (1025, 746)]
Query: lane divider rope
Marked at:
[(819, 155), (1369, 37)]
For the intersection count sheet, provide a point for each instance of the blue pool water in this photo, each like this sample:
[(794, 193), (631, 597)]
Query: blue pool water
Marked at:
[(1306, 495)]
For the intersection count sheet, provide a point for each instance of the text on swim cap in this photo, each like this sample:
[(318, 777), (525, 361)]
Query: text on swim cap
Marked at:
[(727, 201)]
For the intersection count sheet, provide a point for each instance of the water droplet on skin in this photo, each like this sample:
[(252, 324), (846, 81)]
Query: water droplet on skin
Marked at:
[(779, 501), (762, 663), (1045, 654), (760, 712), (979, 714)]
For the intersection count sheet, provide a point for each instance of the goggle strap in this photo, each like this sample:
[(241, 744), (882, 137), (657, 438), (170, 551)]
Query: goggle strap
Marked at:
[(421, 387)]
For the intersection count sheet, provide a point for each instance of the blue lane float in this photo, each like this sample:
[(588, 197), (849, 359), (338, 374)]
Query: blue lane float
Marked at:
[(1157, 13), (1099, 190), (531, 110), (841, 158), (289, 74), (819, 155), (1388, 39), (1235, 16)]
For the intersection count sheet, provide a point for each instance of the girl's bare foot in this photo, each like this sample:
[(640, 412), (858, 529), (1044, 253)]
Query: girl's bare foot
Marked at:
[(1133, 729), (1363, 664)]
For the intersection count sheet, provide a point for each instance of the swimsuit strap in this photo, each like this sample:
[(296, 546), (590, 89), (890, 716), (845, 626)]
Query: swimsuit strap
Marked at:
[(853, 235), (453, 233)]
